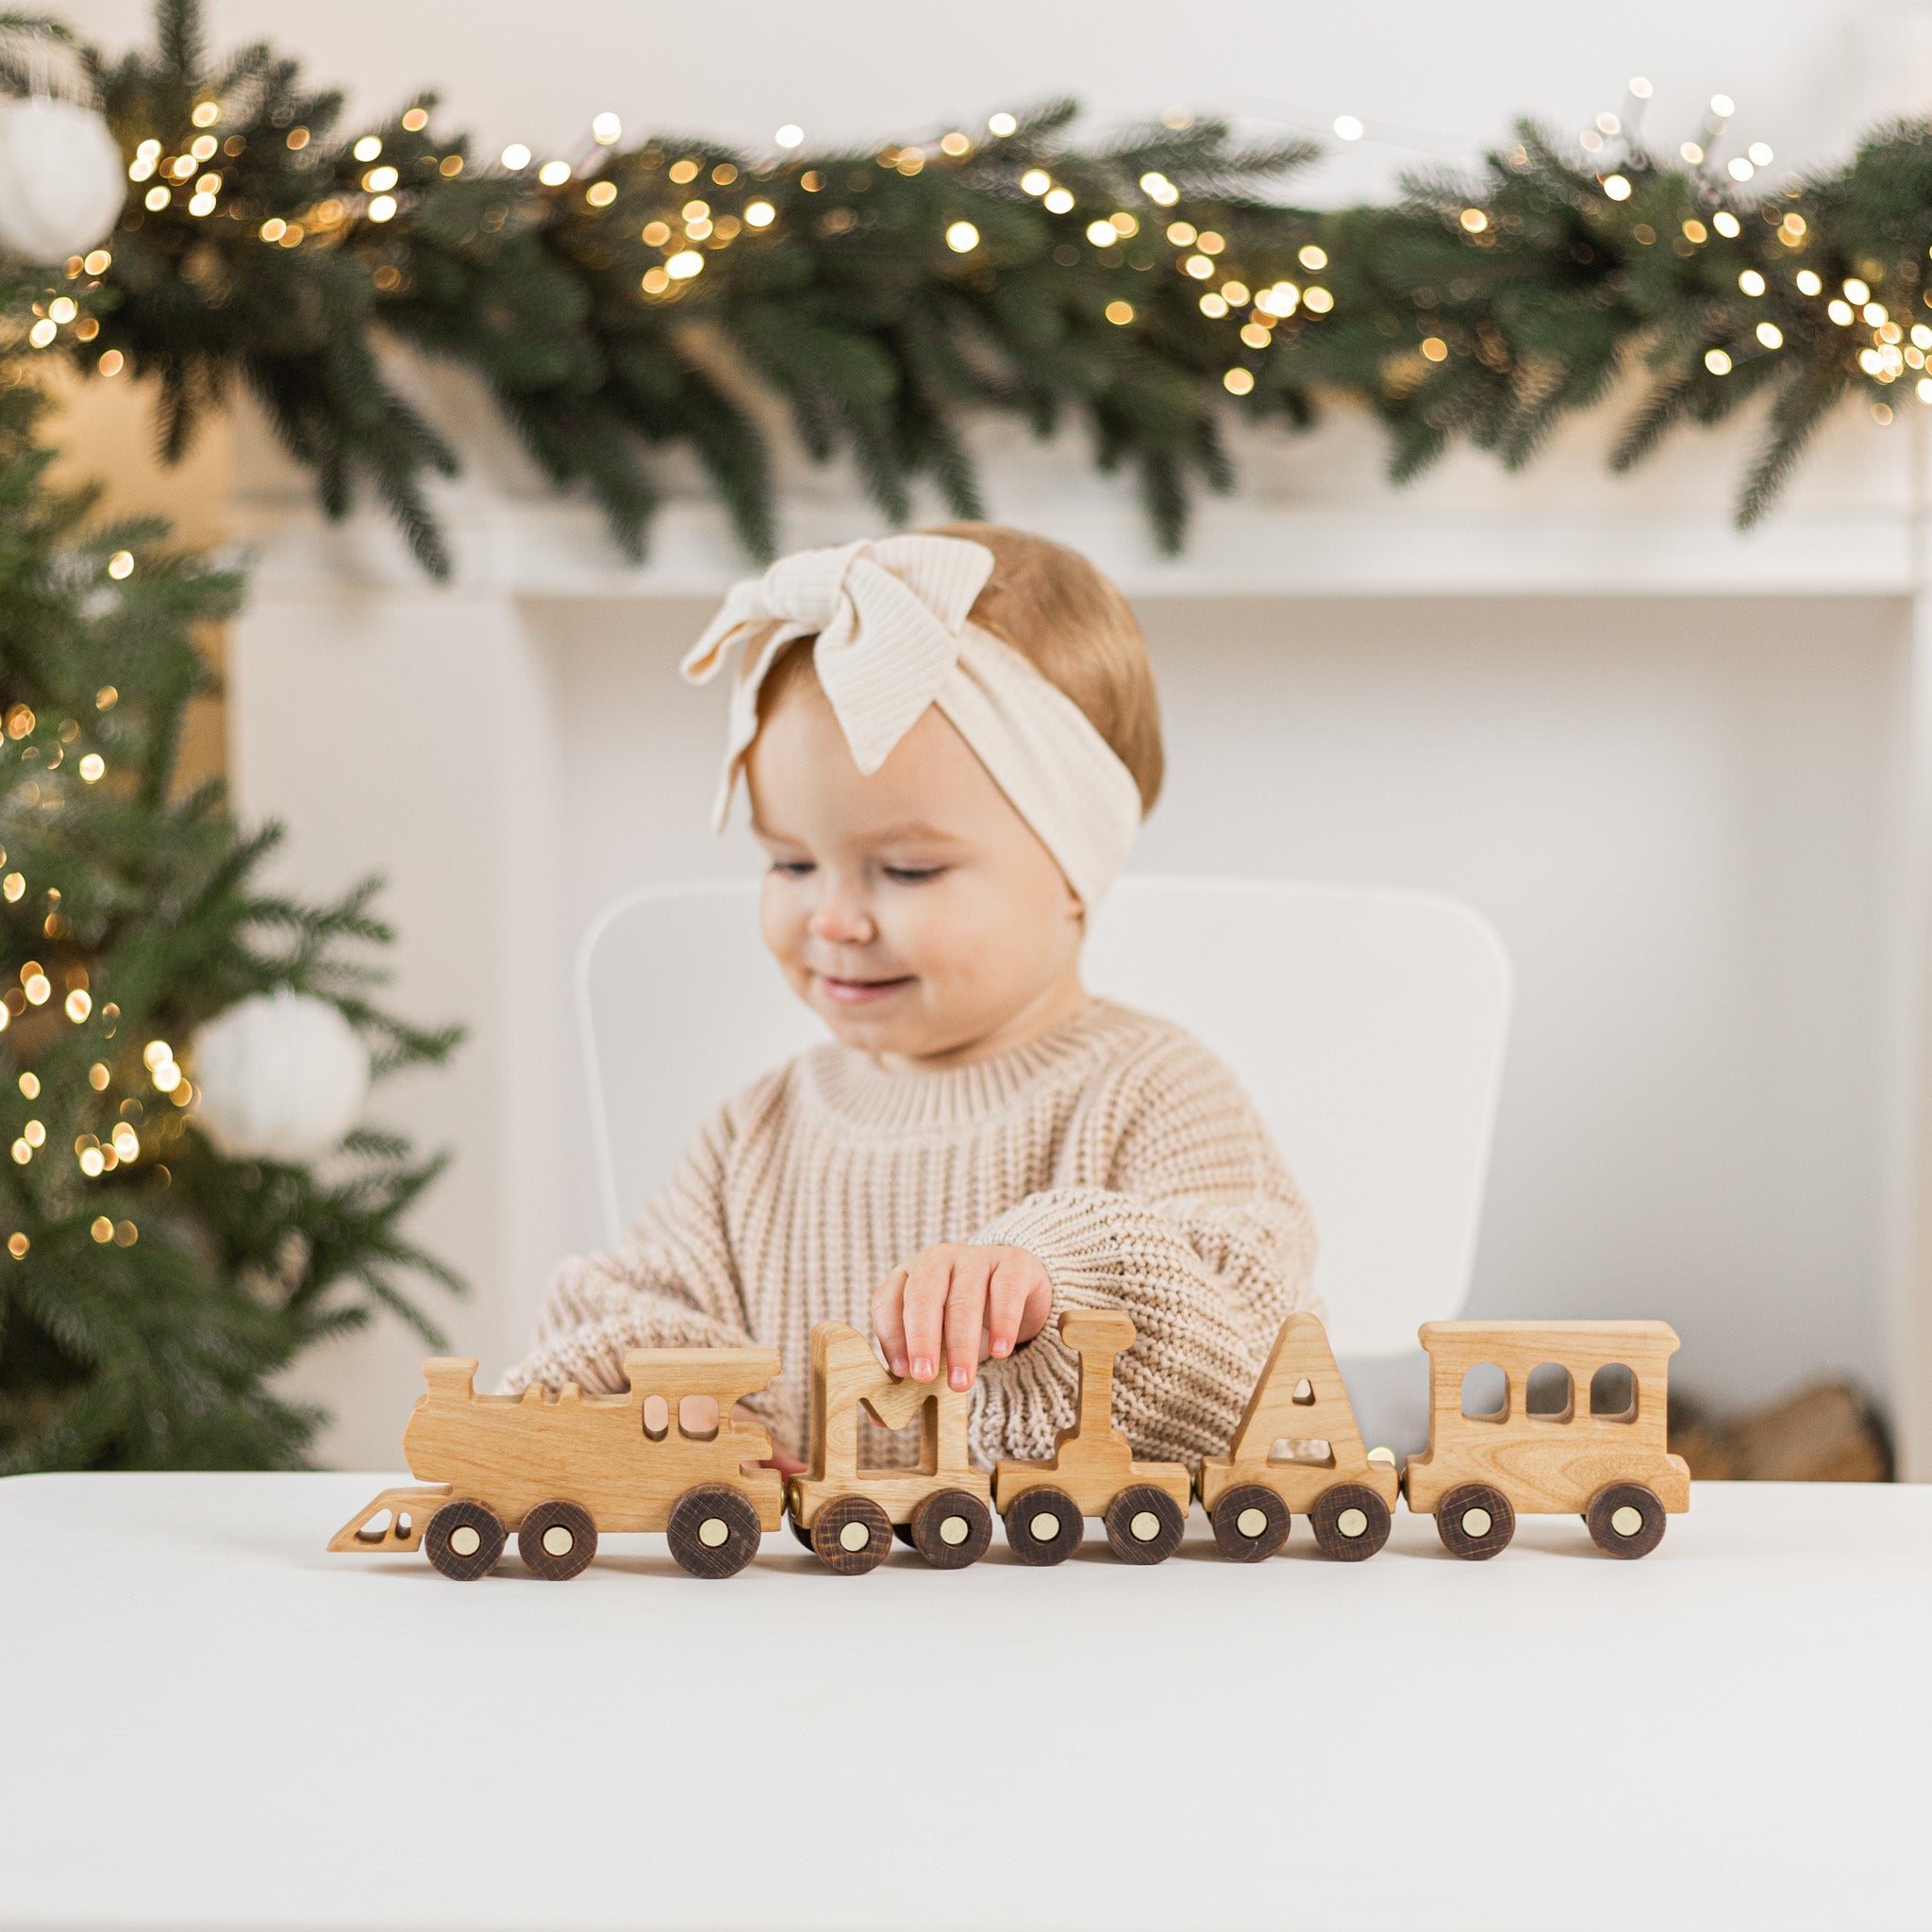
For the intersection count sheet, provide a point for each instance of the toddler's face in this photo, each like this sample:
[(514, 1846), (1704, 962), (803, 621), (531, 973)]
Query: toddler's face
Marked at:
[(914, 910)]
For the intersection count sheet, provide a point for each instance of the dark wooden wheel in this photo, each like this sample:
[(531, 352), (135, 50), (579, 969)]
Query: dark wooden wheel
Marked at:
[(1625, 1519), (952, 1528), (1043, 1527), (1474, 1521), (557, 1540), (713, 1530), (799, 1530), (463, 1541), (904, 1532), (1350, 1522), (836, 1540), (1250, 1522), (1145, 1525)]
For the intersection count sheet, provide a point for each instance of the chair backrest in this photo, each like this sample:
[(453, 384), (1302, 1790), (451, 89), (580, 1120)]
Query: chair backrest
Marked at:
[(1368, 1026)]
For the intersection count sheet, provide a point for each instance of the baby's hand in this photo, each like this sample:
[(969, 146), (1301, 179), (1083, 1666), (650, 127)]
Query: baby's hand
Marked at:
[(979, 1301)]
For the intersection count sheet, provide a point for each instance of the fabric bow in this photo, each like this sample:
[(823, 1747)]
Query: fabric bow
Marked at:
[(889, 618)]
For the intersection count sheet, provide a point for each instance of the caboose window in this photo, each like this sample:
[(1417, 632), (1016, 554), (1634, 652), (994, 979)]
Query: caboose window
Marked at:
[(1613, 1393), (1548, 1394), (1486, 1393), (657, 1418)]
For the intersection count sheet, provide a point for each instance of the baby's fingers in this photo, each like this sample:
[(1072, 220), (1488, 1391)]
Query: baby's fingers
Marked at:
[(965, 1311), (1012, 1281), (926, 1283), (888, 1319)]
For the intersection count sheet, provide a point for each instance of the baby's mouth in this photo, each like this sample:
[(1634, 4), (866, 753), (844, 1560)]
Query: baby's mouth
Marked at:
[(859, 993)]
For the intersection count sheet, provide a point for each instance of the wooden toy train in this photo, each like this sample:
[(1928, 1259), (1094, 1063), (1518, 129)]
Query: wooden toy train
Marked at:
[(669, 1456)]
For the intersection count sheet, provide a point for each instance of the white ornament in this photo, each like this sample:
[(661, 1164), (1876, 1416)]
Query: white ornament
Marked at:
[(62, 180), (280, 1077)]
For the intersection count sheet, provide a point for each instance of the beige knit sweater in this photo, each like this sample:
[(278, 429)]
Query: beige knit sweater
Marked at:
[(1115, 1148)]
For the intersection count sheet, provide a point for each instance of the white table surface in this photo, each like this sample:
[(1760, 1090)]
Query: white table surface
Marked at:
[(210, 1723)]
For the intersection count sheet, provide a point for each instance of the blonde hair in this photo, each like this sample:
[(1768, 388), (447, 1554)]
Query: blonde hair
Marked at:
[(1071, 624)]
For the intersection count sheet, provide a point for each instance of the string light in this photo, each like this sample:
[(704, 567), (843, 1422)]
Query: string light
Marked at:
[(1238, 382), (1348, 128), (1120, 313), (1001, 124), (759, 214), (1617, 187), (962, 237), (1035, 182), (382, 209), (1717, 362), (1058, 201), (554, 174), (605, 129), (416, 120), (790, 135), (120, 565), (515, 158), (601, 193)]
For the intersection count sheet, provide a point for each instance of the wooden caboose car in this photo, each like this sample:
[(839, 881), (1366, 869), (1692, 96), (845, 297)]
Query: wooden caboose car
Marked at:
[(1601, 1452), (556, 1468)]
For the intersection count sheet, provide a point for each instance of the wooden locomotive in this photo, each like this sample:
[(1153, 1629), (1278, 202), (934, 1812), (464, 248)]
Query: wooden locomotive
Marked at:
[(556, 1468), (669, 1455)]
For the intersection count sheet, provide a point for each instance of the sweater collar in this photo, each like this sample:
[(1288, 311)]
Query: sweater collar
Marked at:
[(863, 1093)]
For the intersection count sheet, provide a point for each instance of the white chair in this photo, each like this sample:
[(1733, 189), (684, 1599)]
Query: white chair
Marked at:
[(1368, 1026)]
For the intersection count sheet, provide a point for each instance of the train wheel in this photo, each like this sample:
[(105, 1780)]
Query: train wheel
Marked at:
[(1250, 1522), (557, 1540), (904, 1532), (1145, 1525), (952, 1528), (1350, 1522), (713, 1530), (1474, 1521), (799, 1530), (463, 1541), (1625, 1519), (1043, 1527), (852, 1535)]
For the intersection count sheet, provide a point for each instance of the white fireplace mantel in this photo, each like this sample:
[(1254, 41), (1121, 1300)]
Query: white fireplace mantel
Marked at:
[(417, 729)]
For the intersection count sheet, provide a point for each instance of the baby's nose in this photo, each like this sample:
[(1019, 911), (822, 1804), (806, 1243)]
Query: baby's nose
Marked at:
[(844, 920)]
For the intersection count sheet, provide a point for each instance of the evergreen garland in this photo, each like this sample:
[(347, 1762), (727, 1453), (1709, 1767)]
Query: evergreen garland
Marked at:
[(149, 1285), (663, 295)]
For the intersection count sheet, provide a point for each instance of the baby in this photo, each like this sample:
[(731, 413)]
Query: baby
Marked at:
[(949, 740)]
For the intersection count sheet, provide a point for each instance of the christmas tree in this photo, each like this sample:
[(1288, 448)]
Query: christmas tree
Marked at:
[(155, 1277)]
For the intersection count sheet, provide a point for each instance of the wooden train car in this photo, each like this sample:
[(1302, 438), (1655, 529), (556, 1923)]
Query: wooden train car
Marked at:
[(1297, 1452), (847, 1515), (1091, 1472), (1600, 1451), (556, 1468)]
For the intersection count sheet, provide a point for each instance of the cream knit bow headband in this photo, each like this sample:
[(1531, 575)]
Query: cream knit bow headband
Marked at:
[(893, 637)]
